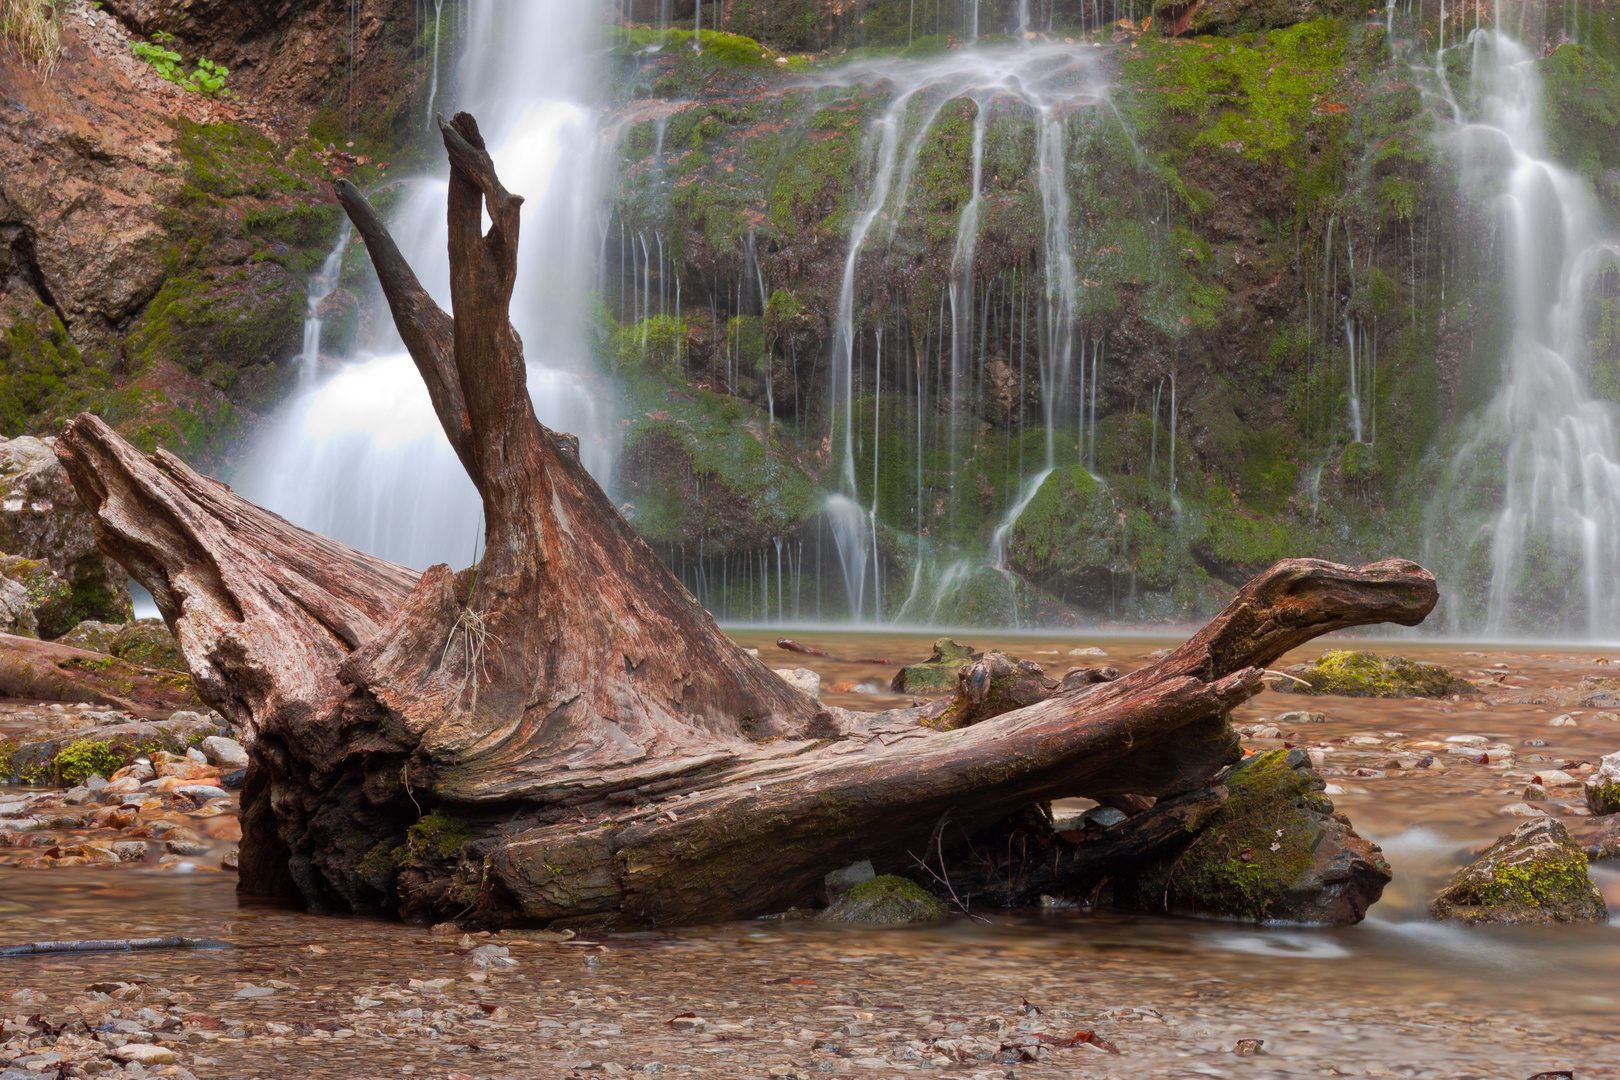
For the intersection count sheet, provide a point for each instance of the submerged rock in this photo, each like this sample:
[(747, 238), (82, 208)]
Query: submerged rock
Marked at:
[(1362, 674), (1603, 786), (937, 673), (1534, 874), (885, 901), (1276, 852), (1599, 839)]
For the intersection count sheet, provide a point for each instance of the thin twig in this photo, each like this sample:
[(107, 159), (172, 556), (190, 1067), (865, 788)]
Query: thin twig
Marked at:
[(1285, 675), (944, 878)]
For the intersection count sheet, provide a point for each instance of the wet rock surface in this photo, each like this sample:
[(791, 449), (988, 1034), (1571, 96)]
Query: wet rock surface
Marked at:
[(1363, 674), (1276, 852), (1535, 874), (142, 641)]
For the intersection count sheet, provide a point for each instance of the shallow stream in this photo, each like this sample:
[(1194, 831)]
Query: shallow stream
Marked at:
[(1395, 996)]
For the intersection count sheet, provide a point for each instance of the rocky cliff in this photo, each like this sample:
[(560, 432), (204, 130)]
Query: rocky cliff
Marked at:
[(1145, 297)]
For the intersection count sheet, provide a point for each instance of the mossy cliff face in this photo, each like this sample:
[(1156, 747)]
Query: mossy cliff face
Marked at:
[(1534, 874), (154, 245), (1244, 216)]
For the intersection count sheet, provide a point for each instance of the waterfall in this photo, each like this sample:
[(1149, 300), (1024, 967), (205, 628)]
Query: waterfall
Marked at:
[(321, 286), (1559, 520), (1047, 82), (433, 89), (360, 457)]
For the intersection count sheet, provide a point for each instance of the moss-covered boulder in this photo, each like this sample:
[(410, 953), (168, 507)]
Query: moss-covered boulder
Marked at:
[(144, 641), (1603, 786), (887, 900), (1534, 874), (1363, 674), (937, 673), (1277, 852)]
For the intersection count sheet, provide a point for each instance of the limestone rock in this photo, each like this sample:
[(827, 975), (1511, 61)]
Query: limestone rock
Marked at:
[(48, 533), (801, 679), (1603, 786), (1534, 874), (936, 674), (885, 901), (1362, 674), (227, 753), (1276, 852), (17, 615)]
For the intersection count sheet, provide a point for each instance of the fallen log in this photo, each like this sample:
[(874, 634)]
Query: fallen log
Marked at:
[(561, 734)]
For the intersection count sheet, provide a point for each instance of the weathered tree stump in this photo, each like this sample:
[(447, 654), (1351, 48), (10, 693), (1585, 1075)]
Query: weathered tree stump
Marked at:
[(562, 733)]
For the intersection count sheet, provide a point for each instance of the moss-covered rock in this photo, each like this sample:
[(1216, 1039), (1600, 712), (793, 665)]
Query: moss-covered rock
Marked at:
[(1534, 874), (886, 900), (1277, 852), (1361, 674), (238, 328), (144, 641), (1603, 786), (937, 673)]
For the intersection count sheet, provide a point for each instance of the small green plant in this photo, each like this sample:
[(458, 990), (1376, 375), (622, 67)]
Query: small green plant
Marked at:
[(208, 79)]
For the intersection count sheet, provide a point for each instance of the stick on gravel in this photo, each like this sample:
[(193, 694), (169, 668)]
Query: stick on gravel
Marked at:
[(40, 948)]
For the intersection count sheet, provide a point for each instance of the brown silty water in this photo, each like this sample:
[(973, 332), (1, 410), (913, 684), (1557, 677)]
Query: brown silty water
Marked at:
[(302, 994)]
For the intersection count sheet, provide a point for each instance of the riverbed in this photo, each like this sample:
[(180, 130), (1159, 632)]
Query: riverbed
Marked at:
[(299, 994)]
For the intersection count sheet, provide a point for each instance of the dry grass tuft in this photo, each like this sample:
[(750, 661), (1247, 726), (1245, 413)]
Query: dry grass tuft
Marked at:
[(33, 27)]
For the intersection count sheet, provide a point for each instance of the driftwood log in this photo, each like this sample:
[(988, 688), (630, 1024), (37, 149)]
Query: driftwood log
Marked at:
[(561, 733)]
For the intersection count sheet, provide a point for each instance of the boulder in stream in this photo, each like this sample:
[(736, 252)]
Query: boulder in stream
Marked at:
[(887, 900), (1276, 852), (1364, 674), (1603, 786), (936, 674), (1534, 874)]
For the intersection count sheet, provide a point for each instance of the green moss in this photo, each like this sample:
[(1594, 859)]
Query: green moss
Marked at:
[(438, 836), (1254, 99), (44, 378), (85, 759)]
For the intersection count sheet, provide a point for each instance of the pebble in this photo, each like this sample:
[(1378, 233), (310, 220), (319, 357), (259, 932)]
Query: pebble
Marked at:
[(1520, 809), (1563, 721), (146, 1054), (1535, 793), (1088, 651), (1555, 778), (224, 752), (1301, 717), (1467, 740)]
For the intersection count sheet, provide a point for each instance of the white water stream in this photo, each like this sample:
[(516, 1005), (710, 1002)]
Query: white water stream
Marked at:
[(361, 457)]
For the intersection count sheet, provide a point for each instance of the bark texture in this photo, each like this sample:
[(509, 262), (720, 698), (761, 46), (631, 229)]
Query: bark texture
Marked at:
[(561, 733)]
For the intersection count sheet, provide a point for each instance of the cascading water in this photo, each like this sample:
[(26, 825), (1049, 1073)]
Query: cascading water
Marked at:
[(1044, 82), (361, 457), (1554, 543)]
